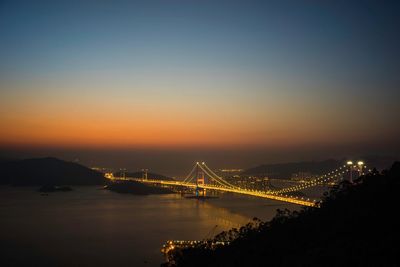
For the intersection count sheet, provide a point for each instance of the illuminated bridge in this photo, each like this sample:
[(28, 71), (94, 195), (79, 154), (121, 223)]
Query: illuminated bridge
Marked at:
[(196, 180)]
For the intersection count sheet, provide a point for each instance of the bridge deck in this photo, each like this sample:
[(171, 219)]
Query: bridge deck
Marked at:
[(284, 198)]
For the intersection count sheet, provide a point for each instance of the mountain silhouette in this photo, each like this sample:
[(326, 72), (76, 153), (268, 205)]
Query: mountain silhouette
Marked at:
[(285, 170), (150, 175), (47, 171)]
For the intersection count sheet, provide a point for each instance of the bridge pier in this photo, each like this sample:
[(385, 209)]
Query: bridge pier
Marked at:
[(200, 192)]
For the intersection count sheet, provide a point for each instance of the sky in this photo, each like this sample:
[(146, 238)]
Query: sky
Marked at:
[(132, 83)]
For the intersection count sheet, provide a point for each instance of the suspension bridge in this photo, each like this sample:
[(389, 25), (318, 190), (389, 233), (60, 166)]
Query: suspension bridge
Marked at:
[(196, 180)]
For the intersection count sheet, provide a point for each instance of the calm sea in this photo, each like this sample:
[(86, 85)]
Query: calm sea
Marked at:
[(89, 226)]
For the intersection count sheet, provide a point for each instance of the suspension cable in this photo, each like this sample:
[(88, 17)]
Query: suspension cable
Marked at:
[(218, 176), (190, 174), (217, 180), (320, 180)]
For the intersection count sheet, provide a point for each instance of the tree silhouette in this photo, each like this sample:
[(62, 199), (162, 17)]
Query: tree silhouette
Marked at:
[(357, 225)]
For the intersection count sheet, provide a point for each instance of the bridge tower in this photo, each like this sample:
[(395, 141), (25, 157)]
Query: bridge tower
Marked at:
[(144, 174), (200, 180), (123, 173)]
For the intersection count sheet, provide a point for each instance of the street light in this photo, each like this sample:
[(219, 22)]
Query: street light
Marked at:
[(360, 167), (350, 164)]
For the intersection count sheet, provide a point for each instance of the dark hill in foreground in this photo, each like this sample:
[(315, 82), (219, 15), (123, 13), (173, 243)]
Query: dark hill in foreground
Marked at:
[(357, 225), (47, 171)]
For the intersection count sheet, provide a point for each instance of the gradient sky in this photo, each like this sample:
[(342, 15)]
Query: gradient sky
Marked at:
[(167, 75)]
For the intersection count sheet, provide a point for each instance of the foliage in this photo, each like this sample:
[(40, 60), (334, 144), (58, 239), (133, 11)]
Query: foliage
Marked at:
[(357, 225)]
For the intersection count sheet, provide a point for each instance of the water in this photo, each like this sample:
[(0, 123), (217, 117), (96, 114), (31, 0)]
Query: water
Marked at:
[(89, 226)]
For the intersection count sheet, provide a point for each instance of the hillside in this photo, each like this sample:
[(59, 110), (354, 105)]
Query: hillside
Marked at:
[(357, 225), (47, 171), (150, 175), (136, 188)]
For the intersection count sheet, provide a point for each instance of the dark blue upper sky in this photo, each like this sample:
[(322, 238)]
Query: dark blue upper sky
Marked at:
[(349, 40)]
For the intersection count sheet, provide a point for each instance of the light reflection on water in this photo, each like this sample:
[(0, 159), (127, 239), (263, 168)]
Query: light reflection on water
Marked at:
[(89, 226)]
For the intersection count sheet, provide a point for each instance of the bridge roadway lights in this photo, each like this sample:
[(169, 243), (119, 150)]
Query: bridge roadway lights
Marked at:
[(275, 195), (233, 190)]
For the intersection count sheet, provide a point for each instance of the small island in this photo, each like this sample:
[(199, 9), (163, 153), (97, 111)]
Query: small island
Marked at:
[(54, 188), (136, 188)]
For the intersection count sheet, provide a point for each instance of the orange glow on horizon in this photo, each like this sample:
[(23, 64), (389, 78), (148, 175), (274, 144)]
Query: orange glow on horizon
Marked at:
[(75, 118)]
